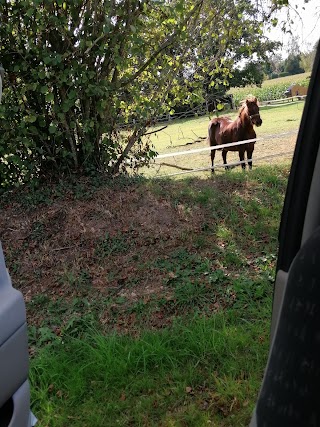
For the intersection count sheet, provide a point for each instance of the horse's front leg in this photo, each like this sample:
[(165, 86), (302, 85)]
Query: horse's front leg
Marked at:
[(224, 156), (213, 153), (249, 156), (241, 157)]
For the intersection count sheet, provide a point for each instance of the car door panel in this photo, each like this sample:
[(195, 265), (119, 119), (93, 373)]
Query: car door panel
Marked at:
[(16, 412), (289, 396), (14, 362), (291, 383)]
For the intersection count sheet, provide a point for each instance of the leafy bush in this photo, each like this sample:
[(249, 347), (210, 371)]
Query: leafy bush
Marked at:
[(78, 91)]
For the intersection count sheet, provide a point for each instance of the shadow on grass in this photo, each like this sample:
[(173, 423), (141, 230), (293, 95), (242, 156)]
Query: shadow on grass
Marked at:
[(133, 253)]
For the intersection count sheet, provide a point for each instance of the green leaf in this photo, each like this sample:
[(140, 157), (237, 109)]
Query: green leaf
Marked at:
[(31, 118), (52, 128), (42, 74), (49, 97)]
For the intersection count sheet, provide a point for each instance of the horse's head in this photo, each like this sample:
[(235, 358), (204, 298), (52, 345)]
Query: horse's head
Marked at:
[(253, 110)]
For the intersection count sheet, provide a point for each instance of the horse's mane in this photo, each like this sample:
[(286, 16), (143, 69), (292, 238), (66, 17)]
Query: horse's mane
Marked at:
[(243, 106)]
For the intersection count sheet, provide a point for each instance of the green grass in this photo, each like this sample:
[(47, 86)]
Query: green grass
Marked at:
[(205, 371)]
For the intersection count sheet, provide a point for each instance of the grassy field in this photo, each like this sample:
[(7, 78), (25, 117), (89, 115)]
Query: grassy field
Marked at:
[(181, 136)]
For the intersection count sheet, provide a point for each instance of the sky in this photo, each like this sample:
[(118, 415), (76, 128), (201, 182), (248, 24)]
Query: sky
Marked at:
[(306, 27)]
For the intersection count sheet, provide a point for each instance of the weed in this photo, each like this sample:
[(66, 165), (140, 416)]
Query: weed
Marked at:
[(38, 231), (217, 276), (39, 300), (79, 279), (190, 295), (38, 337), (138, 307), (232, 257), (79, 324), (112, 245), (249, 291)]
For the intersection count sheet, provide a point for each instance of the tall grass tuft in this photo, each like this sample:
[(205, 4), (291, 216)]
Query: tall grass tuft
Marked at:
[(106, 380)]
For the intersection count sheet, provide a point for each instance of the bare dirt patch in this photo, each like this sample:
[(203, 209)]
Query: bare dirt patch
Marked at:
[(104, 246)]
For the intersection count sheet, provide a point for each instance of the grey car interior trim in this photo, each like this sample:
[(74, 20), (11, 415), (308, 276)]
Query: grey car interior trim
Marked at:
[(253, 422), (312, 218), (14, 356), (21, 403), (14, 364), (279, 291), (12, 311)]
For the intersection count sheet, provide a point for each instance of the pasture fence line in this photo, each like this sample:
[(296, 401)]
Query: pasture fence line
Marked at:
[(202, 110), (281, 101), (275, 104), (221, 146), (223, 165)]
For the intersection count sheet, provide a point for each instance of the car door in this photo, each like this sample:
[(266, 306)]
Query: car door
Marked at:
[(290, 391), (14, 361)]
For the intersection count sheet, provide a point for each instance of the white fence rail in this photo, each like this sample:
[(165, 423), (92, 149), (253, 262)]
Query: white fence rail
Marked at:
[(219, 147)]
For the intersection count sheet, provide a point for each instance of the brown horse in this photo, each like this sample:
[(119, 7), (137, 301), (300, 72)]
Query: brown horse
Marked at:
[(223, 130)]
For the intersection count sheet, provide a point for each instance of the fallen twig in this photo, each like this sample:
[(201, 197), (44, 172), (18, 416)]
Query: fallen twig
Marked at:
[(174, 166), (155, 131)]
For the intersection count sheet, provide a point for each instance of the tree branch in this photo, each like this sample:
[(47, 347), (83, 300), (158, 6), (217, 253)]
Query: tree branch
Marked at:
[(164, 45)]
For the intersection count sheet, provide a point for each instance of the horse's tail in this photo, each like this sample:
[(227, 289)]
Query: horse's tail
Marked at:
[(214, 123)]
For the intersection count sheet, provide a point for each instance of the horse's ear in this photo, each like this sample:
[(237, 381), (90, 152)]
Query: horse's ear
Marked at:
[(251, 100)]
